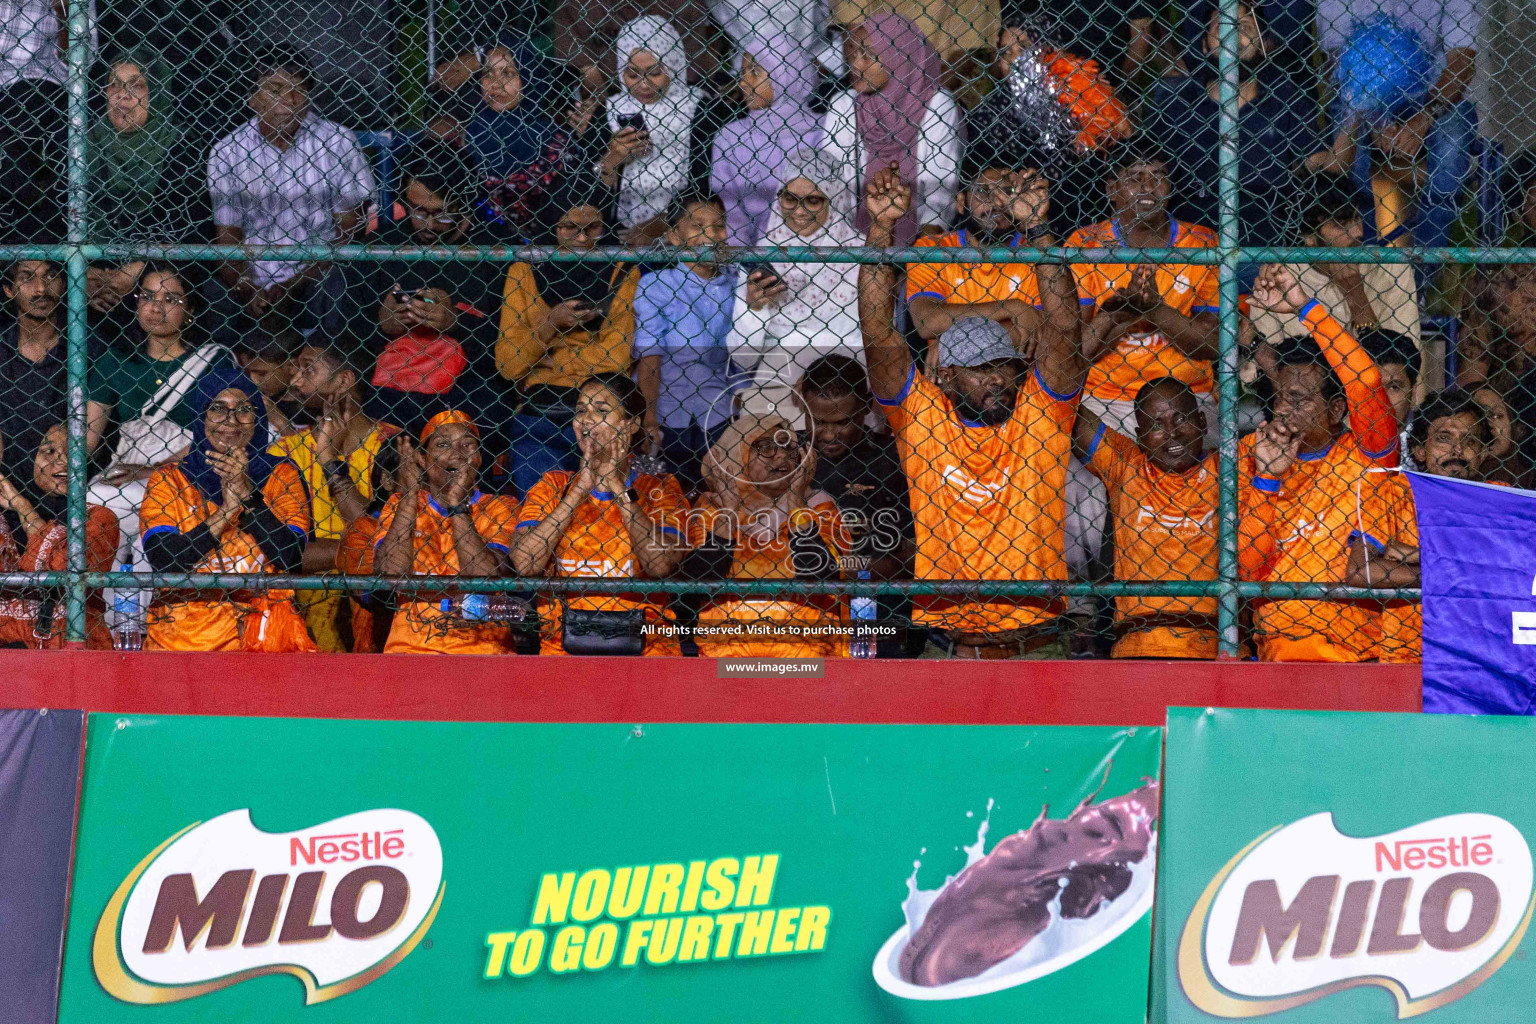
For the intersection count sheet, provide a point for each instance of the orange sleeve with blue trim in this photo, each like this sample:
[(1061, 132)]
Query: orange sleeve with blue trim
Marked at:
[(1111, 456), (288, 498), (1258, 547), (1371, 418), (928, 278), (496, 518), (542, 497), (162, 496)]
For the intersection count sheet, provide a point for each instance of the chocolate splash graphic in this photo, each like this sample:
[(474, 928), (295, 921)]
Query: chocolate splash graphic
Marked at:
[(1001, 902)]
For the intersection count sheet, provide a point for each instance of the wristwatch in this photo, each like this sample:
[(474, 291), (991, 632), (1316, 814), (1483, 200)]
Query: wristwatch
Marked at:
[(1036, 233), (461, 509)]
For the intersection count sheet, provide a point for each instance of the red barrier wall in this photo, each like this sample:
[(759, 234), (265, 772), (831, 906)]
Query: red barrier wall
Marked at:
[(680, 689)]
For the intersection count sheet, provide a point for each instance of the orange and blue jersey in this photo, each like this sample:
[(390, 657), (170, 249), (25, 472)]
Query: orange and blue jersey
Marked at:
[(971, 282)]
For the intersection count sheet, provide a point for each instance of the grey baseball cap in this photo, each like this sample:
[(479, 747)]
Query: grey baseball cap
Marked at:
[(975, 340)]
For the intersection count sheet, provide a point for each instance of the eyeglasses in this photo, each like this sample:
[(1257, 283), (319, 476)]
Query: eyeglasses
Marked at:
[(218, 412), (813, 203), (168, 298), (768, 447), (440, 218)]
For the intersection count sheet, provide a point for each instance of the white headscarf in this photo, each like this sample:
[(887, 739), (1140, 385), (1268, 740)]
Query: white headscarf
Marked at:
[(648, 184), (821, 294)]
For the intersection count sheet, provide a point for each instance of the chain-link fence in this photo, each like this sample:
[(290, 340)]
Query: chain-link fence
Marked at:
[(762, 327)]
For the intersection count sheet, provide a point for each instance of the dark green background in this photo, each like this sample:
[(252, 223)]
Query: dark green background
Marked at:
[(510, 802), (1232, 775)]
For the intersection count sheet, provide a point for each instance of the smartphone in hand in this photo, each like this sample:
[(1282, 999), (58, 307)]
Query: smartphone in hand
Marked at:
[(762, 270), (635, 121)]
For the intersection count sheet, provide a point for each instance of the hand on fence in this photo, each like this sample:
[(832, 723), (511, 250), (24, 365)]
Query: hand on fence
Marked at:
[(887, 197), (1277, 290)]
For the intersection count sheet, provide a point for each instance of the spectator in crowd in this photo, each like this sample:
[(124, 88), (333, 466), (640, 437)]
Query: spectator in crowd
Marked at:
[(1450, 437), (437, 318), (286, 177), (1518, 187), (986, 436), (32, 368), (1440, 127), (1144, 321), (1397, 359), (803, 21), (659, 147), (1365, 295), (561, 323), (148, 391), (682, 320), (776, 82), (862, 471), (1121, 38), (1288, 40), (1163, 499), (605, 521), (1274, 133), (441, 524), (1504, 462), (762, 519), (1059, 105), (1004, 205), (267, 358), (373, 611), (951, 26), (1305, 479), (228, 506), (520, 153), (1497, 344), (897, 111), (32, 539), (143, 174), (787, 319), (584, 35), (34, 54), (335, 457)]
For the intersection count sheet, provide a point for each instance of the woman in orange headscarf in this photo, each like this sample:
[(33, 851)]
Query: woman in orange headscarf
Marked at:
[(441, 524), (32, 539), (764, 521)]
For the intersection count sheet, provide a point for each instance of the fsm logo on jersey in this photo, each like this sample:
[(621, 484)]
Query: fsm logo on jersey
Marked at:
[(336, 905), (1428, 912)]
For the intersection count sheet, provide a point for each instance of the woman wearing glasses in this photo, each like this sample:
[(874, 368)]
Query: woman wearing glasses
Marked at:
[(147, 390), (789, 316), (228, 506)]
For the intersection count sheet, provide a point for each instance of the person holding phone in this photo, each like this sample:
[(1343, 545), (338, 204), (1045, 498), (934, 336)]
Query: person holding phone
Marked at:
[(660, 147), (788, 317), (561, 323)]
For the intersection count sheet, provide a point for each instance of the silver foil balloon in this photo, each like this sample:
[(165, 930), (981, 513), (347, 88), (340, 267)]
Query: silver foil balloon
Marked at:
[(1035, 103)]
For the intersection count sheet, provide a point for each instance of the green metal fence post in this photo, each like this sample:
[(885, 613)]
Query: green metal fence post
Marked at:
[(79, 44), (1226, 369)]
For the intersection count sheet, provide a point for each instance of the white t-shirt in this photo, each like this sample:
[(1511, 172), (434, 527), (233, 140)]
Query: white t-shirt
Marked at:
[(29, 41), (937, 153), (287, 197)]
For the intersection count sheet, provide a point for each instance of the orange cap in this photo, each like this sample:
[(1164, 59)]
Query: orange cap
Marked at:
[(445, 418)]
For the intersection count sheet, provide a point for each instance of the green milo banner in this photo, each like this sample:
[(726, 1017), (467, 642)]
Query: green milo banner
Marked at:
[(1326, 867), (322, 871)]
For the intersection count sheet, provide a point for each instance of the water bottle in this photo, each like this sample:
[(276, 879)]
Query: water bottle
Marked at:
[(484, 608), (127, 617), (861, 610)]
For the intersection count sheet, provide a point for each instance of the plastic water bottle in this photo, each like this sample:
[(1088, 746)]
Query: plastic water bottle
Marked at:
[(484, 608), (127, 617), (860, 610)]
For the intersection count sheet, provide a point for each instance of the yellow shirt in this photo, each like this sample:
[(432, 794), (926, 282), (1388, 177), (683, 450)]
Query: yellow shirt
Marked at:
[(571, 356), (300, 448)]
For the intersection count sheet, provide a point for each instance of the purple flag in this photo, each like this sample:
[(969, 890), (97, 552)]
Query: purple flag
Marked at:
[(1478, 568), (39, 791)]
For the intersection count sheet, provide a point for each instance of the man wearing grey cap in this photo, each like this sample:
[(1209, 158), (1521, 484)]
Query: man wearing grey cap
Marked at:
[(985, 443)]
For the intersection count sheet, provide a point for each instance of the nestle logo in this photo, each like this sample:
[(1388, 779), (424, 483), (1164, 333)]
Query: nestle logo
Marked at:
[(1438, 852), (346, 847)]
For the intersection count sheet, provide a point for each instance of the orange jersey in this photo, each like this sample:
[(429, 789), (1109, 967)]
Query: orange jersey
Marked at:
[(987, 501), (1141, 356), (971, 282), (596, 544), (420, 626), (47, 551), (1402, 622), (1165, 529), (181, 621), (769, 558), (1309, 517)]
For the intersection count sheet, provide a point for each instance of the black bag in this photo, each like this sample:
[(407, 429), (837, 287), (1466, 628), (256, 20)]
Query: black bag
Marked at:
[(612, 633)]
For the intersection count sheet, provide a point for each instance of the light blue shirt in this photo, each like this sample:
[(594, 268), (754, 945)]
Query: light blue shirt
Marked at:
[(685, 319)]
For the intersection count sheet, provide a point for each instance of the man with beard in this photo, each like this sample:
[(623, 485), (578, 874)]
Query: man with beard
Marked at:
[(984, 442), (1143, 322), (1003, 206), (33, 395), (1163, 495), (1307, 476), (1450, 437)]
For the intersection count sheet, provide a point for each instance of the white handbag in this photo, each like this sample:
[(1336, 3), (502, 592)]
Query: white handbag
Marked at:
[(154, 437)]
